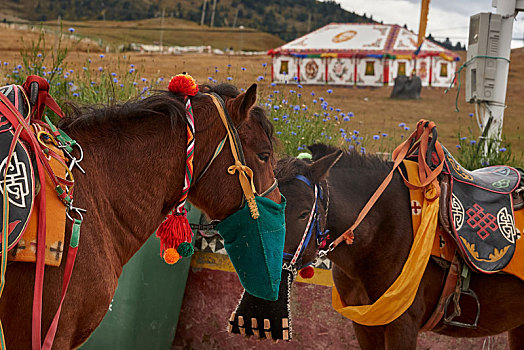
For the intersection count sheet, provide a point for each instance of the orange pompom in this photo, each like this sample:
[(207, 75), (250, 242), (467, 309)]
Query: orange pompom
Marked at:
[(183, 84), (306, 272), (171, 256)]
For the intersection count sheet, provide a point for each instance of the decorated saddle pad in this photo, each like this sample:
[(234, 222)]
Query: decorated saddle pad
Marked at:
[(17, 179), (444, 246), (481, 212)]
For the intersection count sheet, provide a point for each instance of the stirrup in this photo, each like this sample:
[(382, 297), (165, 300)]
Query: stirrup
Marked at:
[(449, 319)]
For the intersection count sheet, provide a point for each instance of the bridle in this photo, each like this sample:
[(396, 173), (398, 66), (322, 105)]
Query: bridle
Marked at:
[(313, 225), (244, 172)]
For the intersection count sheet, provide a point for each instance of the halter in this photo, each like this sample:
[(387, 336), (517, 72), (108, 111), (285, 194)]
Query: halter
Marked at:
[(238, 154), (313, 223)]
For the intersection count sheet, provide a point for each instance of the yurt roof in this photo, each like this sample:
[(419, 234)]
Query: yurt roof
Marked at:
[(353, 39)]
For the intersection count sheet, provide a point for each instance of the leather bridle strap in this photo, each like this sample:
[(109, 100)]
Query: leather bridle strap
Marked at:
[(245, 174), (418, 140)]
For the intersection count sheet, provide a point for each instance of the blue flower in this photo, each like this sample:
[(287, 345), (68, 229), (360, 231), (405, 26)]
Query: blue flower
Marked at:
[(338, 109), (471, 114), (243, 69), (260, 77), (115, 80), (314, 101), (284, 117), (355, 132), (210, 78), (351, 114), (346, 119), (39, 55), (132, 65), (19, 66), (342, 130), (134, 83), (292, 91), (71, 30), (362, 150), (296, 108), (463, 138), (6, 63), (312, 93), (293, 133), (100, 69), (401, 125), (229, 78), (264, 65), (502, 149), (75, 94), (276, 118), (472, 142), (384, 134), (321, 99), (295, 78), (299, 95), (300, 148), (329, 91), (351, 147), (132, 70), (113, 74), (276, 92), (229, 65), (101, 55), (273, 84), (84, 68), (278, 132), (458, 146), (144, 80), (376, 137), (406, 128), (276, 107), (299, 86)]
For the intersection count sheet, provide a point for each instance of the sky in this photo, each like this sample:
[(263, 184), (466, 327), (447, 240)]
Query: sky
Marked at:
[(447, 18)]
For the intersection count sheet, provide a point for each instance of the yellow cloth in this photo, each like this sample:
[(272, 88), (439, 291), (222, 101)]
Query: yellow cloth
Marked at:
[(400, 295), (25, 250)]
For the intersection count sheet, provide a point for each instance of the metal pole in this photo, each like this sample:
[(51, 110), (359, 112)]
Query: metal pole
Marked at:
[(495, 108)]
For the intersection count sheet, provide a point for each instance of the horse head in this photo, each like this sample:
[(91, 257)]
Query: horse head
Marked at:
[(255, 134), (305, 184)]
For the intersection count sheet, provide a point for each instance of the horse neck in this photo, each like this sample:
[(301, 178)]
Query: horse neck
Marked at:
[(383, 239), (130, 182)]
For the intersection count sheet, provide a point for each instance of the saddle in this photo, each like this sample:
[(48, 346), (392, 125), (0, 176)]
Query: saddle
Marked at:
[(19, 181), (477, 210)]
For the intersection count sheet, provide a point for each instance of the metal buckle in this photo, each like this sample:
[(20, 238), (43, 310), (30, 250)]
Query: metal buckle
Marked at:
[(73, 160), (76, 210), (449, 320)]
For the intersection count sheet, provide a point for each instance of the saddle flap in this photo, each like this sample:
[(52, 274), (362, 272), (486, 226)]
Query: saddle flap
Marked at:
[(19, 180)]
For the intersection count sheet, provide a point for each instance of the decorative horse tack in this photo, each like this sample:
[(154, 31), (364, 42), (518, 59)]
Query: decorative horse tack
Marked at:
[(175, 232), (32, 134)]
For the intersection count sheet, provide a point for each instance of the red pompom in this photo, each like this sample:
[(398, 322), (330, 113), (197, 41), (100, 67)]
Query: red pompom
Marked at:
[(183, 84), (174, 231), (306, 272)]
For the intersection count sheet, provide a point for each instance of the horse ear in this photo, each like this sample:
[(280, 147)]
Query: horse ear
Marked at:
[(320, 168), (318, 150), (244, 102)]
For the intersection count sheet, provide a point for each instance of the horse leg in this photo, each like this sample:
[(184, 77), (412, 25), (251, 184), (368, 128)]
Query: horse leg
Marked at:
[(516, 338), (401, 334), (371, 338)]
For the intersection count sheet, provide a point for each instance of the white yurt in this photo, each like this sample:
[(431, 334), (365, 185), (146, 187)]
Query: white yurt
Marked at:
[(361, 54)]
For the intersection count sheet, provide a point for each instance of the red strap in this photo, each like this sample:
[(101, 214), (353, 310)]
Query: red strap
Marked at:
[(70, 263), (44, 99), (418, 139)]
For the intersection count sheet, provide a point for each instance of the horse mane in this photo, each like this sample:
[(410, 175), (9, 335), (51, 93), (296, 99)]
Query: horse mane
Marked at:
[(288, 168), (160, 103), (351, 158)]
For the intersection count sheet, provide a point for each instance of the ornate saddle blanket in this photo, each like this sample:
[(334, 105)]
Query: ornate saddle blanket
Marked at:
[(444, 246), (481, 213), (22, 187), (19, 181)]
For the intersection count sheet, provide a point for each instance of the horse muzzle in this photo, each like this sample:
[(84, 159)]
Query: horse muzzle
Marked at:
[(255, 246)]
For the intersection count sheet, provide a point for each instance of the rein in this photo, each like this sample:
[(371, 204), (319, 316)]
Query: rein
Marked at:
[(425, 135)]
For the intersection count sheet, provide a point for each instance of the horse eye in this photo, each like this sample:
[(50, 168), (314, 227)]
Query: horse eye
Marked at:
[(263, 156), (303, 215)]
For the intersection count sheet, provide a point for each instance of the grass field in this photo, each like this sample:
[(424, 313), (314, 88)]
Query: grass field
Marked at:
[(374, 112)]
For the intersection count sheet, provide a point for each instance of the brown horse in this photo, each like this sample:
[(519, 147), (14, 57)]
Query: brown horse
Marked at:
[(364, 270), (134, 159)]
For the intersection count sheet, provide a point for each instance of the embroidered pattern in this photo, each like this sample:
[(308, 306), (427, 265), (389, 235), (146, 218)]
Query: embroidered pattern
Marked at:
[(16, 181), (484, 221), (457, 210), (506, 225)]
